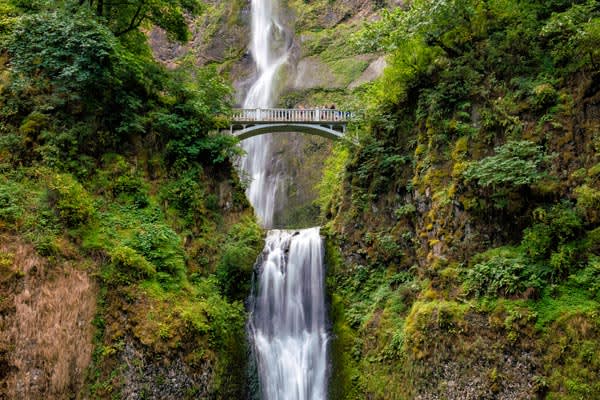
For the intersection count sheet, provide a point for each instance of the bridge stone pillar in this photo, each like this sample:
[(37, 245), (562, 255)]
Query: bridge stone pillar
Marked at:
[(317, 115)]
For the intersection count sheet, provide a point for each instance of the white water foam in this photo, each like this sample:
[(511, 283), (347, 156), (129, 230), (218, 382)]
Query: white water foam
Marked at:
[(270, 52), (287, 323)]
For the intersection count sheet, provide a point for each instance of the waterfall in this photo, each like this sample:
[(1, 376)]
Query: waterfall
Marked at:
[(287, 322), (270, 50)]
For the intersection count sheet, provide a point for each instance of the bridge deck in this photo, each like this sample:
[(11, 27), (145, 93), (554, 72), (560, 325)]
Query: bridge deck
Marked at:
[(296, 115)]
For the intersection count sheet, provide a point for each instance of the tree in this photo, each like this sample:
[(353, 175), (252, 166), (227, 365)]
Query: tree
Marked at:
[(129, 15)]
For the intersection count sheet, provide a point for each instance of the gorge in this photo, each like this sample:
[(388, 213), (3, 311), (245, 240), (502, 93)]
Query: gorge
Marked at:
[(287, 313), (458, 248)]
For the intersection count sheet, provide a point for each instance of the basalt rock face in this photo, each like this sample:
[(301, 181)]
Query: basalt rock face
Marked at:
[(159, 377), (322, 71), (402, 250), (219, 35)]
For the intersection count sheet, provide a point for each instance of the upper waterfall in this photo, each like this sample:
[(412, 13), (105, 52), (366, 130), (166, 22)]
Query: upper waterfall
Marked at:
[(270, 50)]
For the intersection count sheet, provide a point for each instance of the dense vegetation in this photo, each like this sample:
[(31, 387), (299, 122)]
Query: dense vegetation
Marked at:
[(464, 241), (463, 236), (107, 164)]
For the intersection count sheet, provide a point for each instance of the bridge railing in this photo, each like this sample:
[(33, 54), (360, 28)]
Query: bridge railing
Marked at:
[(291, 115)]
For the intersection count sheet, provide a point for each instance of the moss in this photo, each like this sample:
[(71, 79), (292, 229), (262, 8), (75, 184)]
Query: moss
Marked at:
[(133, 263), (588, 203), (460, 148), (33, 124), (348, 69), (345, 372), (424, 317), (572, 369), (70, 199)]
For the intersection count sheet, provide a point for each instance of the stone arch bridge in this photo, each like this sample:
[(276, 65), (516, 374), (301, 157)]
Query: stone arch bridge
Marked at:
[(331, 124)]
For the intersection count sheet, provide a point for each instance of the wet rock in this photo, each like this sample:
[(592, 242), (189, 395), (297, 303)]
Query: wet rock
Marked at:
[(149, 376)]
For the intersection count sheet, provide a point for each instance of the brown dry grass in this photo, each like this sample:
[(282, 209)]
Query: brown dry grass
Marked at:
[(47, 330)]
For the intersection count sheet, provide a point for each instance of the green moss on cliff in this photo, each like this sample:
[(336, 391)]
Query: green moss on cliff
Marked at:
[(471, 182), (109, 169)]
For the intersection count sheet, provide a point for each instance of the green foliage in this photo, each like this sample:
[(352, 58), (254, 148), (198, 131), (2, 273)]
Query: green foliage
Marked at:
[(239, 252), (59, 57), (132, 187), (74, 52), (489, 72), (385, 248), (213, 315), (8, 18), (376, 165), (131, 263), (161, 246), (69, 198), (503, 271), (544, 95), (329, 186), (408, 67), (11, 208), (122, 181), (186, 195), (589, 278), (514, 164), (77, 82), (550, 250), (129, 16), (201, 97), (588, 203), (552, 241), (571, 35), (554, 226), (405, 210)]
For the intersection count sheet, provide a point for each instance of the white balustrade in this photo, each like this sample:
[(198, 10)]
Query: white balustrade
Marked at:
[(291, 115)]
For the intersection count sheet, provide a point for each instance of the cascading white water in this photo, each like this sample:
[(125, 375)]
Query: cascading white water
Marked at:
[(270, 51), (287, 323)]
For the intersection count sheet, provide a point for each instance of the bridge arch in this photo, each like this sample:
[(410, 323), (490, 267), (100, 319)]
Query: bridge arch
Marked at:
[(318, 130), (327, 123)]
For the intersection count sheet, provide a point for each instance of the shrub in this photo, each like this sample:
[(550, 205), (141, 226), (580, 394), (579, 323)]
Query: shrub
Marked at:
[(588, 203), (33, 124), (554, 226), (543, 96), (516, 163), (405, 210), (72, 51), (161, 246), (589, 278), (10, 208), (131, 262), (234, 269), (70, 200), (386, 248), (133, 187), (564, 259), (186, 195), (572, 35), (499, 275)]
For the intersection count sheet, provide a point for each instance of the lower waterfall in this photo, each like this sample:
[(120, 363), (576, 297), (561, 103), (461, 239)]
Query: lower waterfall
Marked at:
[(287, 325)]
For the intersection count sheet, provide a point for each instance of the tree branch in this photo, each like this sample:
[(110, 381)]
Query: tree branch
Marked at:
[(133, 24)]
